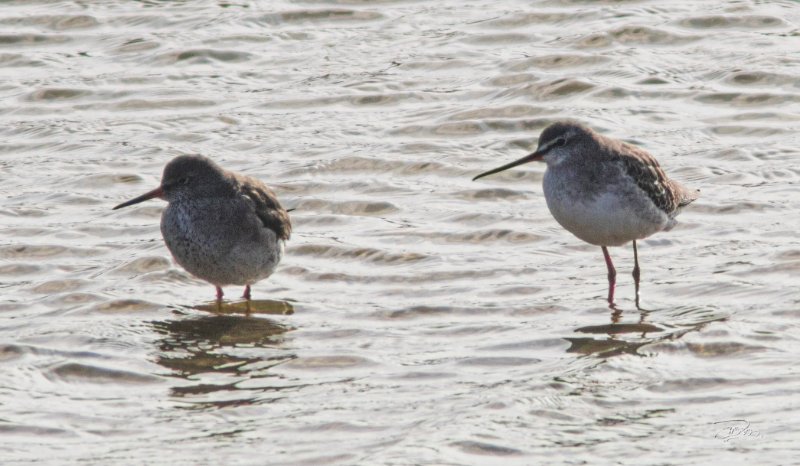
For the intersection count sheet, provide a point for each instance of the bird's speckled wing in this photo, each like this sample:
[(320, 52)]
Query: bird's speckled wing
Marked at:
[(266, 206), (642, 167)]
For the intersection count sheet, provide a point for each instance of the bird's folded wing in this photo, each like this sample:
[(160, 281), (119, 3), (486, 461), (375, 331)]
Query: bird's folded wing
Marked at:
[(267, 207), (645, 170)]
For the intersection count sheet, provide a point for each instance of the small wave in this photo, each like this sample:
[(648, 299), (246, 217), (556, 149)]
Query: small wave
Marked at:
[(738, 21), (321, 15), (83, 373), (360, 254)]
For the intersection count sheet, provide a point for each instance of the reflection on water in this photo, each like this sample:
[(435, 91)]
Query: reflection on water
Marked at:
[(640, 333), (257, 306), (241, 347)]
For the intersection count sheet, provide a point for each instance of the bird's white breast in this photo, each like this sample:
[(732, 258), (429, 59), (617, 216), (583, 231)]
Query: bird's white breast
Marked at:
[(608, 215)]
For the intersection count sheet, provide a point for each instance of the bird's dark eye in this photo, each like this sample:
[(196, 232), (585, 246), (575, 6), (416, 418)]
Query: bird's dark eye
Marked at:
[(560, 142)]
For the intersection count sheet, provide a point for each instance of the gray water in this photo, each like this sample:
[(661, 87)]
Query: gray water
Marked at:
[(417, 317)]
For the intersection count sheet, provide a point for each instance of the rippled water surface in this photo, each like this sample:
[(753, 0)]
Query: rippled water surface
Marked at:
[(417, 317)]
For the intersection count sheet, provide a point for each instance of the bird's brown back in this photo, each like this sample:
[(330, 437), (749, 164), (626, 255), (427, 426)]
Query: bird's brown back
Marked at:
[(266, 205), (666, 194)]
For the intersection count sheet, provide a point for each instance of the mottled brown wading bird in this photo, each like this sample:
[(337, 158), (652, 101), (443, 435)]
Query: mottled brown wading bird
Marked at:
[(223, 227), (604, 191)]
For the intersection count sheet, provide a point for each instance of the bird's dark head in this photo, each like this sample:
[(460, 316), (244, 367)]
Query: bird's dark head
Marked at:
[(186, 176), (192, 176), (557, 143), (561, 141)]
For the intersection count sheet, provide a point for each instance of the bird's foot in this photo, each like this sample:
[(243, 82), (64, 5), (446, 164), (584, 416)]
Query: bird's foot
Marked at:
[(220, 294), (246, 296)]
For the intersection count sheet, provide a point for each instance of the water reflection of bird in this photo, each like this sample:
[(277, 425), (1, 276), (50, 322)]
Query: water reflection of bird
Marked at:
[(223, 227), (212, 354), (604, 191)]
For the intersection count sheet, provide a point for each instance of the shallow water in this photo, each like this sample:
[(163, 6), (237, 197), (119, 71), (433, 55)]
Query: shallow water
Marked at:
[(418, 317)]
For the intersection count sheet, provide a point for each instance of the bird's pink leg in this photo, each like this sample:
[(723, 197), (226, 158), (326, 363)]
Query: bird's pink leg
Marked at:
[(636, 271), (219, 299), (246, 296), (612, 275)]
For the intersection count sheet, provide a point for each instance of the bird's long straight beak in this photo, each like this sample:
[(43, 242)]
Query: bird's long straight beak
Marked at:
[(158, 192), (536, 156)]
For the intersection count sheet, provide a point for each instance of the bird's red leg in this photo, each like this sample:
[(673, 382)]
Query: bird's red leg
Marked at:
[(246, 296), (612, 275), (636, 271), (219, 299)]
